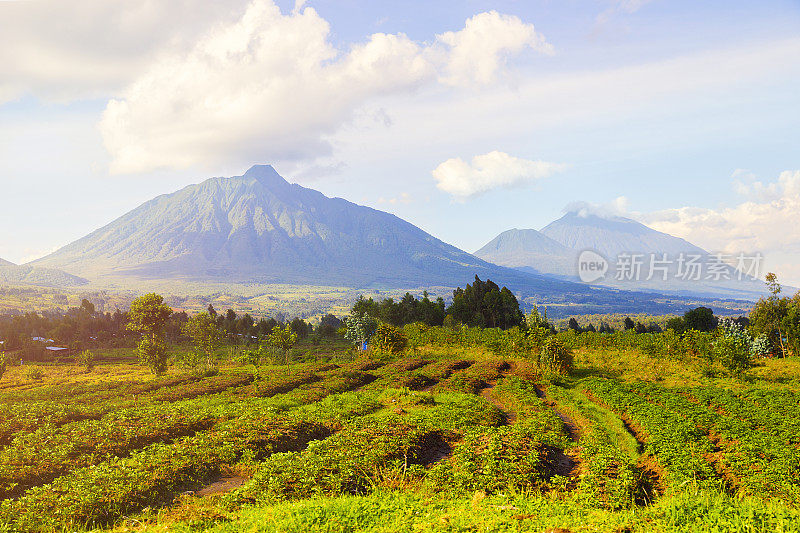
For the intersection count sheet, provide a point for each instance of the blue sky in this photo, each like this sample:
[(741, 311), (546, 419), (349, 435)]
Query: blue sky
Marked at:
[(465, 118)]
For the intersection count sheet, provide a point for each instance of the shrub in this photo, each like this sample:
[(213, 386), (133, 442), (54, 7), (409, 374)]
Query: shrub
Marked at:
[(733, 348), (761, 346), (389, 339), (34, 373), (86, 359), (733, 354), (556, 356)]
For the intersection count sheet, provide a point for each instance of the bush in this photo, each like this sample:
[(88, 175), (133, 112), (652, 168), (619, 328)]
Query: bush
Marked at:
[(86, 359), (34, 373), (389, 339), (733, 348), (761, 346), (556, 356)]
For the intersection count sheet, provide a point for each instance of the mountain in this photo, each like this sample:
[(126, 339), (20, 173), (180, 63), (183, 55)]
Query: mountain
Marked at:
[(617, 240), (259, 228), (30, 275), (614, 235), (529, 249)]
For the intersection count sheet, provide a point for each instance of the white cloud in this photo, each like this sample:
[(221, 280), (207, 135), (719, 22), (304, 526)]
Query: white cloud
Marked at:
[(766, 223), (489, 171), (476, 52), (271, 87), (80, 49), (617, 207)]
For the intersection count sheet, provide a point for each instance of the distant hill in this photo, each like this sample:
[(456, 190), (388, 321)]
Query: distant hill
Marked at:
[(555, 250), (531, 249), (30, 275)]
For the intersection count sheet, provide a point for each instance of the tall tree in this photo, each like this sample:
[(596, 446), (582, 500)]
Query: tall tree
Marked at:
[(148, 316), (207, 337)]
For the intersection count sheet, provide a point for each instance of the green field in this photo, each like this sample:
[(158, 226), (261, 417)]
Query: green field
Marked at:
[(440, 438)]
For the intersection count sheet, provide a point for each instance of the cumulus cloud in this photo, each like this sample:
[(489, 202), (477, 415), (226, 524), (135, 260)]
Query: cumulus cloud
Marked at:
[(489, 171), (476, 52), (61, 51), (271, 86), (765, 222)]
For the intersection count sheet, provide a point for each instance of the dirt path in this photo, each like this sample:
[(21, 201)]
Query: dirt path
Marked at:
[(572, 429), (509, 417)]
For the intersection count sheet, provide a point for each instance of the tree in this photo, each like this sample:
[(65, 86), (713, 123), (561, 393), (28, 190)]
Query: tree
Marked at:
[(629, 324), (484, 304), (282, 338), (207, 337), (675, 324), (360, 328), (700, 319), (768, 315), (87, 359), (573, 325), (556, 356), (148, 316)]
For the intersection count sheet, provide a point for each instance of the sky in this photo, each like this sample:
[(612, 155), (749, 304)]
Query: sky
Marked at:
[(465, 118)]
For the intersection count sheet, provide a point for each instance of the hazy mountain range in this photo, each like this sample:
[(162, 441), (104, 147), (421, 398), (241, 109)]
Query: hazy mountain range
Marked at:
[(260, 229), (555, 250)]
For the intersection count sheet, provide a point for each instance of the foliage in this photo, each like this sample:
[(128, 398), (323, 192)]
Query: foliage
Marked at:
[(282, 339), (86, 359), (360, 327), (699, 319), (389, 339), (34, 373), (202, 328), (409, 309), (148, 315), (556, 356), (484, 304)]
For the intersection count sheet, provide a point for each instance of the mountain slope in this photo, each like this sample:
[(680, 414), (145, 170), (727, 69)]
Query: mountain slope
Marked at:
[(258, 228), (613, 236), (30, 275), (528, 248), (3, 263)]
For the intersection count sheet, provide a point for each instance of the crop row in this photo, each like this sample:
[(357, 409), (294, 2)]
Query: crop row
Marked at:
[(754, 460), (22, 417), (677, 443), (51, 451), (417, 374), (384, 449), (97, 494), (474, 378)]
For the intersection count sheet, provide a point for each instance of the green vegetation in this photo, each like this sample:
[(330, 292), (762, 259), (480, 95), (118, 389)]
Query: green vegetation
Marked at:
[(452, 427)]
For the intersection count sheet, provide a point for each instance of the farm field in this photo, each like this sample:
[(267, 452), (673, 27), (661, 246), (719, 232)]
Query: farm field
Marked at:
[(436, 439)]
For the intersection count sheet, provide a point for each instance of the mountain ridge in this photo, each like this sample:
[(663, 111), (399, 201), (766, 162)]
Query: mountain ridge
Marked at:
[(259, 228), (613, 237)]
